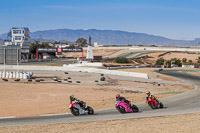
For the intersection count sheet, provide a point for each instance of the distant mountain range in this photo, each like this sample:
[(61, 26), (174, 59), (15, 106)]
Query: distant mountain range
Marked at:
[(107, 37)]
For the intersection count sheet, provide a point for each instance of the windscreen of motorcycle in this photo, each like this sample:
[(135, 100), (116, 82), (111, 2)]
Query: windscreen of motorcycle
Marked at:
[(70, 106), (116, 102)]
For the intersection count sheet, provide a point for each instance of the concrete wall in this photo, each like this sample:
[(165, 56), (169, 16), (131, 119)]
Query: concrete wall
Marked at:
[(85, 63)]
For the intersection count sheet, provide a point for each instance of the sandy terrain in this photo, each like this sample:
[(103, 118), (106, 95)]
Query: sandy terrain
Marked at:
[(31, 99), (152, 57), (169, 56), (188, 123), (192, 57)]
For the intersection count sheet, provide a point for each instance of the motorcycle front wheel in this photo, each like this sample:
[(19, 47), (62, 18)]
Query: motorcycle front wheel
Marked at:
[(161, 105), (90, 110), (121, 110), (75, 111), (152, 105), (135, 108)]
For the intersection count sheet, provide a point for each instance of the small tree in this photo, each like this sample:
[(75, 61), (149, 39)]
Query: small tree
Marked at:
[(176, 61), (168, 63), (190, 62), (184, 60), (198, 59), (160, 61), (81, 42)]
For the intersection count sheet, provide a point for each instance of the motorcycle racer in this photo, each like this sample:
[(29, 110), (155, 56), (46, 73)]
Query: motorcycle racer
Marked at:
[(80, 104), (119, 98), (148, 94)]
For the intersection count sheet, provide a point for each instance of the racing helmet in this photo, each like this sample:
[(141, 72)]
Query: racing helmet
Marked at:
[(71, 97), (148, 93), (117, 96)]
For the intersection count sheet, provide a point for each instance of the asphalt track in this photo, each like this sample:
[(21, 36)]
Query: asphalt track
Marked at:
[(184, 103)]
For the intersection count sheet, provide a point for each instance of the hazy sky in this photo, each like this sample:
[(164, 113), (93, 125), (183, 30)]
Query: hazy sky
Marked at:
[(175, 19)]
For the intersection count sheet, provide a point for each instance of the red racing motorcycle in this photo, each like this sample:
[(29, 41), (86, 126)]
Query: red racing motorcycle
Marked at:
[(154, 104)]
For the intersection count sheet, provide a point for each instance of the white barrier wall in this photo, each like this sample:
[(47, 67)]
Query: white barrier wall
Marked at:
[(75, 68), (16, 75), (85, 63), (188, 66)]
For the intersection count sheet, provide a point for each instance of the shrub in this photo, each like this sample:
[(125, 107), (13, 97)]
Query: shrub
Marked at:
[(176, 61), (160, 61), (122, 60)]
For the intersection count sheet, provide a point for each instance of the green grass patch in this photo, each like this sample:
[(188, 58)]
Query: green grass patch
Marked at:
[(190, 71), (170, 92)]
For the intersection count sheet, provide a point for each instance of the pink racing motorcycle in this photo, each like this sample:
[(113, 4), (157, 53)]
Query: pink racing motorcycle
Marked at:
[(123, 107)]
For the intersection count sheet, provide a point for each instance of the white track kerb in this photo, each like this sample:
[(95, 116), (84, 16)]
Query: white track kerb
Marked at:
[(75, 68)]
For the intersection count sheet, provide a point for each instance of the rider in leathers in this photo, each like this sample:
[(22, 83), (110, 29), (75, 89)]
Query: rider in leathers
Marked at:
[(119, 98), (152, 96), (80, 104)]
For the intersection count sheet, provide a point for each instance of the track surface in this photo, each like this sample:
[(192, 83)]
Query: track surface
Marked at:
[(187, 102)]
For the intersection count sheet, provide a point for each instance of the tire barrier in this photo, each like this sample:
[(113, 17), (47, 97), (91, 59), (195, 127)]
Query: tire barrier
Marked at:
[(16, 75), (5, 80), (17, 80), (78, 81), (66, 73), (103, 79), (37, 80), (55, 79), (96, 81)]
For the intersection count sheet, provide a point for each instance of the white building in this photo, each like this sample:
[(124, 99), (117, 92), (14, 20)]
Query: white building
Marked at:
[(7, 42), (19, 35), (96, 44)]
